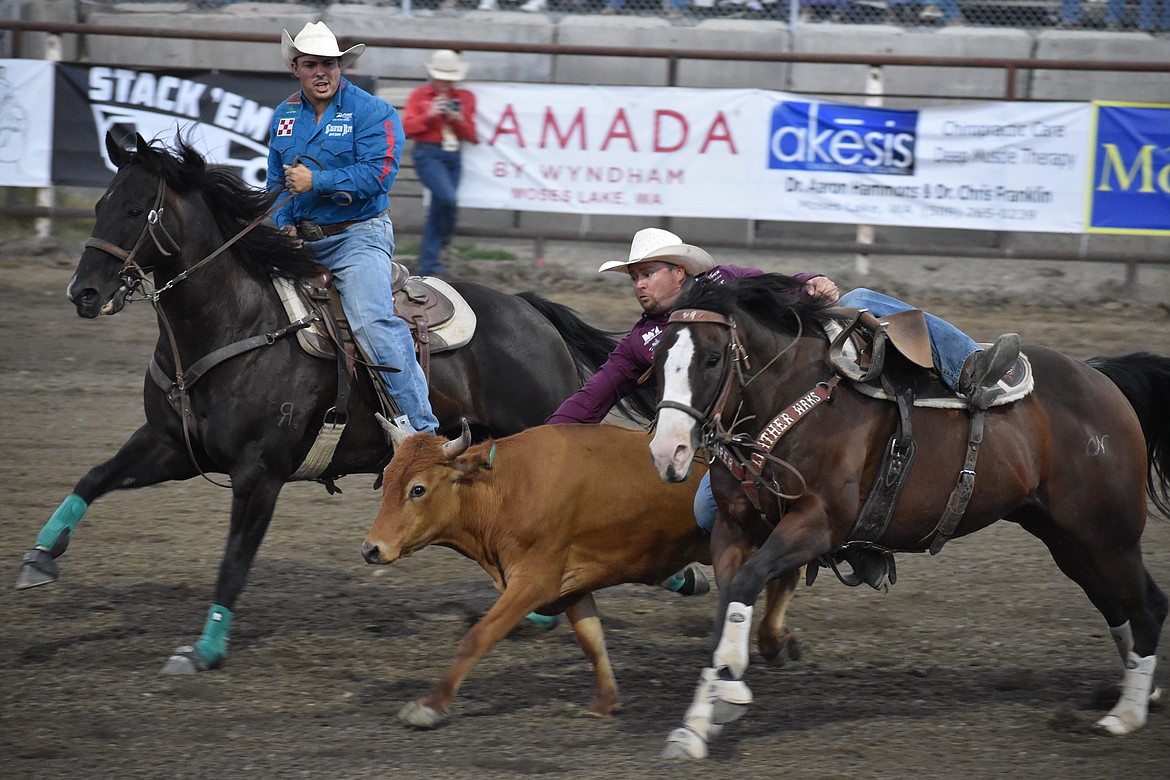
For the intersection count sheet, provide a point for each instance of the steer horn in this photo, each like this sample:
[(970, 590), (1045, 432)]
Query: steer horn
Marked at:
[(394, 434), (456, 447)]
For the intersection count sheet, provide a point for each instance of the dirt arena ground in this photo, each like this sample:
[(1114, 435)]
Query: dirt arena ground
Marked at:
[(983, 662)]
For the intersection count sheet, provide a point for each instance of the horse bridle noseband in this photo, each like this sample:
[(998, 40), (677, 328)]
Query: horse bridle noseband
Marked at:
[(725, 445), (132, 275), (737, 355)]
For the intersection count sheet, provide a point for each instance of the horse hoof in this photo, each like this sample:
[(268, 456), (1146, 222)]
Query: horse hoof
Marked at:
[(420, 716), (684, 743), (187, 660), (37, 567), (1117, 726), (785, 651), (729, 700)]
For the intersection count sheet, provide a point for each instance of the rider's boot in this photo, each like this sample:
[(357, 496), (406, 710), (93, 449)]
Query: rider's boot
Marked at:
[(979, 379)]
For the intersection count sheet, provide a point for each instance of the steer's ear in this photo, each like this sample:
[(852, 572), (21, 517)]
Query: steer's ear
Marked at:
[(471, 466)]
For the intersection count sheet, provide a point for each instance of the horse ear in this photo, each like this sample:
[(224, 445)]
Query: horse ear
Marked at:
[(118, 154), (140, 142)]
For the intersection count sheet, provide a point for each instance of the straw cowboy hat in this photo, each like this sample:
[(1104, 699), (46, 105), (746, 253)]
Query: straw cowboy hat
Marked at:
[(663, 246), (316, 39), (447, 65)]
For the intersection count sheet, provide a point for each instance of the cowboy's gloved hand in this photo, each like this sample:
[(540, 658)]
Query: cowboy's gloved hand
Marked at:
[(298, 179), (292, 231), (822, 287)]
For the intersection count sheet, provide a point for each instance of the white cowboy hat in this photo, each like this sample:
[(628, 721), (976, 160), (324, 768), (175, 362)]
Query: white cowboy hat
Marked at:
[(316, 39), (663, 246), (447, 65)]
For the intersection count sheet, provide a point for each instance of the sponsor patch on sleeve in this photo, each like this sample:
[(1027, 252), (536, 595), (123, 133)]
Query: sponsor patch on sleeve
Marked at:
[(285, 125)]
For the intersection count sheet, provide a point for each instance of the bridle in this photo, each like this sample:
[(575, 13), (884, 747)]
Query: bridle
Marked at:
[(132, 274), (737, 358), (730, 447), (134, 277)]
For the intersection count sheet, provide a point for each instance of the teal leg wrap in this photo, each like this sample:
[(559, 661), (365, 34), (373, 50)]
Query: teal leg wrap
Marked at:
[(674, 582), (543, 621), (55, 535), (212, 646)]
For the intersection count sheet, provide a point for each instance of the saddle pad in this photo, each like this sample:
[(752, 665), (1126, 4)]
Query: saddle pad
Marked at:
[(453, 333), (458, 330), (1016, 383), (312, 339)]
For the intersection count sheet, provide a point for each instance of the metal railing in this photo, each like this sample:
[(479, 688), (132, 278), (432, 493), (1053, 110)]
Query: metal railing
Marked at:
[(1010, 67)]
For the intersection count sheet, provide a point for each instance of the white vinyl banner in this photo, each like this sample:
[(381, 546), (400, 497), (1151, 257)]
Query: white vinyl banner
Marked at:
[(26, 123), (755, 154)]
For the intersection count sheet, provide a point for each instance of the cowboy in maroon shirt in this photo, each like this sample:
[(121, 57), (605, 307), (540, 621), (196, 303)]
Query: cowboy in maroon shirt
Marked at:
[(658, 265)]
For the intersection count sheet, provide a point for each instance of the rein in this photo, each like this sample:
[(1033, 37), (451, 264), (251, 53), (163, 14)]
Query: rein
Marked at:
[(726, 445), (134, 277)]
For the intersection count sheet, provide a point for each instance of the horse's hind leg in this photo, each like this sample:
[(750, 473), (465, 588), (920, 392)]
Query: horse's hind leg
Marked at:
[(777, 643), (143, 460), (1118, 584)]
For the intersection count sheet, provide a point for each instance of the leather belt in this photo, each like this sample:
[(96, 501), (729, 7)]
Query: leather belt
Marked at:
[(311, 231)]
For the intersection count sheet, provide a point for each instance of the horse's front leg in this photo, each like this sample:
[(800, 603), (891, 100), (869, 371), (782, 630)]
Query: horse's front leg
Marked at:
[(798, 539), (730, 548), (722, 696), (253, 502), (143, 460)]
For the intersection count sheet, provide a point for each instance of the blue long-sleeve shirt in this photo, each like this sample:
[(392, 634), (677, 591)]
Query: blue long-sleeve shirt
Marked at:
[(358, 145)]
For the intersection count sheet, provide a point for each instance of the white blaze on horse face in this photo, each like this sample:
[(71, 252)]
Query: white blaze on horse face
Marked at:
[(671, 448)]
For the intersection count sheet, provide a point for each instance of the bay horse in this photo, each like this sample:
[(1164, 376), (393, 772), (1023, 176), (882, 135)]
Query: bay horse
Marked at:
[(1072, 463), (254, 417)]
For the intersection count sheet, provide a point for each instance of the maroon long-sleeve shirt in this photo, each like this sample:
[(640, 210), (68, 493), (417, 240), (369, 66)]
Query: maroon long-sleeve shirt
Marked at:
[(619, 375)]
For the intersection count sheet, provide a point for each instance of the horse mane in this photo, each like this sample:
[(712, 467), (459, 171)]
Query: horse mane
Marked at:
[(234, 205), (774, 299)]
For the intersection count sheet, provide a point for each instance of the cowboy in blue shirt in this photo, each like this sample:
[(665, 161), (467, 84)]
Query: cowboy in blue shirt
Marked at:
[(337, 149)]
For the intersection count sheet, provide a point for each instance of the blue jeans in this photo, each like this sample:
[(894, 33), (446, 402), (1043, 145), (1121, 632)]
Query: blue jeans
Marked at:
[(949, 346), (359, 258), (705, 504), (439, 172)]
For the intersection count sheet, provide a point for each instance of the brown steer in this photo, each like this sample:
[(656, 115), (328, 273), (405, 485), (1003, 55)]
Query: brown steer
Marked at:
[(552, 514)]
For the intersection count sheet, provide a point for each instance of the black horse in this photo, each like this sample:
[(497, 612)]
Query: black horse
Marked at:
[(255, 416)]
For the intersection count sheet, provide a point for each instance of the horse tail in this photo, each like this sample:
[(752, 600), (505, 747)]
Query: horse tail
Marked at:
[(1144, 379), (590, 348)]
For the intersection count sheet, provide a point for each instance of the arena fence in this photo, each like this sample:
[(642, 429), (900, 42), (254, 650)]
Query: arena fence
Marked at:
[(1108, 249)]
